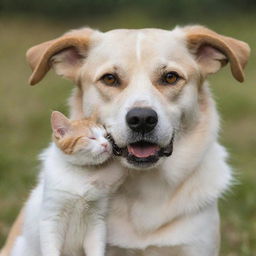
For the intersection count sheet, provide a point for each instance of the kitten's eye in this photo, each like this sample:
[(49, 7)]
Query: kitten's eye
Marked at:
[(110, 80), (61, 131), (170, 78), (92, 138)]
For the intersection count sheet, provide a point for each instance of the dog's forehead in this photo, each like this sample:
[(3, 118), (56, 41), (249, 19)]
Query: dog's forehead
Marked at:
[(149, 33), (138, 43)]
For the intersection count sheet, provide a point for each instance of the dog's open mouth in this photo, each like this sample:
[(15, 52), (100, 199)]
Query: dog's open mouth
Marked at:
[(142, 153), (142, 149)]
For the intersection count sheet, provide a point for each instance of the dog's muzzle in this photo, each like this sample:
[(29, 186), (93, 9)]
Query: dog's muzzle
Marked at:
[(142, 153), (142, 149)]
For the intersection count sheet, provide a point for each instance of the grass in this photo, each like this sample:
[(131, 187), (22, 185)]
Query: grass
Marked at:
[(24, 119)]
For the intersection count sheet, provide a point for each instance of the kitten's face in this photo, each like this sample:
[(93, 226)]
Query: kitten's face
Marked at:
[(83, 141)]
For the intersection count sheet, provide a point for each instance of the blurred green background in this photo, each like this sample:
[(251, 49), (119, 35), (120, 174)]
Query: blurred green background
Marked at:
[(25, 110)]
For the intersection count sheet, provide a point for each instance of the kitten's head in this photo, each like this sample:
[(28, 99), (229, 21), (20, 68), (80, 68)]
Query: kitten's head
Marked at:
[(82, 141)]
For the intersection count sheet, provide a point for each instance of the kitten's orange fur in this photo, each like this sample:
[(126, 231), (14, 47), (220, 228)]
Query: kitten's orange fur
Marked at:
[(77, 132), (80, 129)]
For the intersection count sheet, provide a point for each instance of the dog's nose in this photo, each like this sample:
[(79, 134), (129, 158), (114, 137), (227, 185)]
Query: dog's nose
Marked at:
[(142, 119)]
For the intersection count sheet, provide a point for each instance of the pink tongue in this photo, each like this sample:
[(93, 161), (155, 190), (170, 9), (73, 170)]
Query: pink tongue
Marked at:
[(143, 151)]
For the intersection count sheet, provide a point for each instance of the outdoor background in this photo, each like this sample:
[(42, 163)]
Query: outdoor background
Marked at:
[(25, 110)]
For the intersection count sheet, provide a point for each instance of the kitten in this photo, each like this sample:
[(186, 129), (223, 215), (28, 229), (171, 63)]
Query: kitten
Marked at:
[(65, 212)]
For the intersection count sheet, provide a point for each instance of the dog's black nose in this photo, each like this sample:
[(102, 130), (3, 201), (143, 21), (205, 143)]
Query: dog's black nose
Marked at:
[(142, 119)]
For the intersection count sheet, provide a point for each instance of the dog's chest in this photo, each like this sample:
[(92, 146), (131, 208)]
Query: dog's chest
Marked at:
[(148, 210), (144, 206)]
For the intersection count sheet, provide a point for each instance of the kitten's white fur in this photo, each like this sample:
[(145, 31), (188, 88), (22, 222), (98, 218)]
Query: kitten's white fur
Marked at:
[(65, 214)]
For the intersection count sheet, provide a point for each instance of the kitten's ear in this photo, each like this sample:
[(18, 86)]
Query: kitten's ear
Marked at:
[(60, 124)]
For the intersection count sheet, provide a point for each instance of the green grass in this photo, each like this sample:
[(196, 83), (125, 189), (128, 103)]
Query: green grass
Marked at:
[(24, 118)]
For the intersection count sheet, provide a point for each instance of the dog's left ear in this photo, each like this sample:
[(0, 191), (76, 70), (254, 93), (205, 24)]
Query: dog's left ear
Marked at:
[(213, 51)]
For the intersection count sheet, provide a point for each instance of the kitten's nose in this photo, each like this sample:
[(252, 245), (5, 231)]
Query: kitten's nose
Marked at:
[(104, 145)]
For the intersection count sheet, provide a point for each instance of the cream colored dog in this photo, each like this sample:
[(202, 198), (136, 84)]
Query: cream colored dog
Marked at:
[(149, 87)]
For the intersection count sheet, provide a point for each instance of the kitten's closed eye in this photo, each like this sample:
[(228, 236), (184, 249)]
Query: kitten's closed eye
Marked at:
[(61, 131), (84, 139)]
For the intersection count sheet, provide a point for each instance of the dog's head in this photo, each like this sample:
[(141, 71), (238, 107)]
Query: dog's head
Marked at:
[(145, 84)]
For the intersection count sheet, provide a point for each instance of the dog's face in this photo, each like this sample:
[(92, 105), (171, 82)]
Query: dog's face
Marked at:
[(143, 87), (145, 84)]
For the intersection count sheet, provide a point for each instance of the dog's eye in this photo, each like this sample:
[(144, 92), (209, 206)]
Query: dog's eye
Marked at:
[(170, 78), (110, 79)]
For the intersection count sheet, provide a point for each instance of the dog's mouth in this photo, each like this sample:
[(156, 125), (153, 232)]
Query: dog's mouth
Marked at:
[(143, 149), (142, 153)]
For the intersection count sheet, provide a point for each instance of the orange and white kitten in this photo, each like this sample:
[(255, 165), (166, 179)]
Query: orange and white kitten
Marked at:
[(65, 214)]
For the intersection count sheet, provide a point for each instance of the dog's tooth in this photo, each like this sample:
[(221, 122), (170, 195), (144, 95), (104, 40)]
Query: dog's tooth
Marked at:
[(117, 151), (167, 153)]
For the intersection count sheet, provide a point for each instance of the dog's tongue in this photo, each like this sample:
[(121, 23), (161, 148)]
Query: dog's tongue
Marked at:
[(143, 151)]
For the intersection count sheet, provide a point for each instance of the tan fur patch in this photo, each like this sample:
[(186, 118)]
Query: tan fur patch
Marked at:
[(75, 137), (236, 51)]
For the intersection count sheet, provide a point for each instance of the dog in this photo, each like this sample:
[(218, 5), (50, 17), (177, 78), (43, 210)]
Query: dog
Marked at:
[(150, 89)]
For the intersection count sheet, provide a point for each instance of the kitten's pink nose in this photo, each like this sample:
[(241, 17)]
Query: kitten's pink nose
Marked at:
[(105, 145)]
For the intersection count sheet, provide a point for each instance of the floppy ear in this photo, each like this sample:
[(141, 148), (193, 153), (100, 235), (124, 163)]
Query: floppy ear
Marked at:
[(213, 51), (60, 124), (65, 54)]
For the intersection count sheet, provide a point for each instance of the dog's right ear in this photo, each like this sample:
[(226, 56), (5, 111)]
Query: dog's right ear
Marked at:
[(64, 54)]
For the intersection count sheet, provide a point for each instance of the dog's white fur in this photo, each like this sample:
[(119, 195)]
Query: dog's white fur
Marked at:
[(171, 207)]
